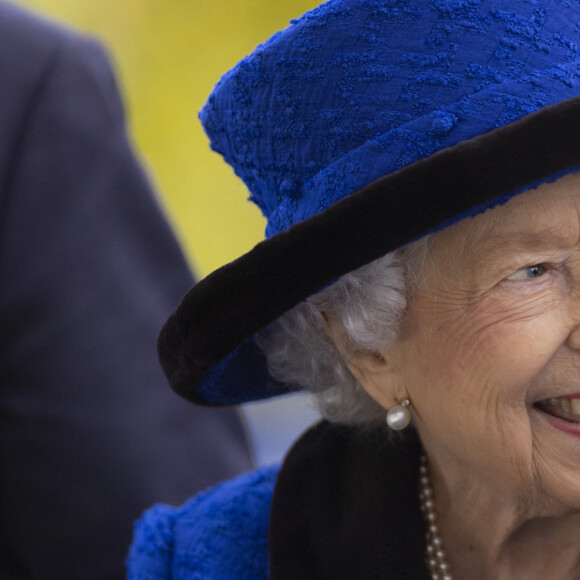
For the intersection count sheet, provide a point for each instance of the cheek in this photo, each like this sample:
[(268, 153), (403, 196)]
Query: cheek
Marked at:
[(473, 376), (513, 343), (469, 391), (491, 348), (454, 350)]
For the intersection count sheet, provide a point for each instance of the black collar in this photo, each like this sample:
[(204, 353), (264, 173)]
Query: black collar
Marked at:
[(346, 507)]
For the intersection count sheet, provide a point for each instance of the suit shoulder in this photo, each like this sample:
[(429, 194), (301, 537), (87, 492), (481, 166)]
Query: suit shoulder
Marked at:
[(220, 533), (29, 44), (23, 28)]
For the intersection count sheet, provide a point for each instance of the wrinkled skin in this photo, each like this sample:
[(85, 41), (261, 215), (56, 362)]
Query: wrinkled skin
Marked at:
[(492, 331)]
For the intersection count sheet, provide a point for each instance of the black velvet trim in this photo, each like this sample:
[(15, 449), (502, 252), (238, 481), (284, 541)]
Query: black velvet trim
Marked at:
[(345, 507), (230, 305)]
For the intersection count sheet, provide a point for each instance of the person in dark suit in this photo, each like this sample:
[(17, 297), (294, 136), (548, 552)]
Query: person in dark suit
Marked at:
[(90, 434)]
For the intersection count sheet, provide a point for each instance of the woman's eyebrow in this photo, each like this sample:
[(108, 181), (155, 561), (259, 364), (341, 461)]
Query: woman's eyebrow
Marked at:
[(546, 239)]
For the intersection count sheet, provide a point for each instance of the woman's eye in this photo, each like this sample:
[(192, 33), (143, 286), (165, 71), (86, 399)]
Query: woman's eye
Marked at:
[(528, 273)]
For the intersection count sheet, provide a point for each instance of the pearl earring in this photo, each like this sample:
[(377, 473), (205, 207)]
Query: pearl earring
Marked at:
[(399, 417)]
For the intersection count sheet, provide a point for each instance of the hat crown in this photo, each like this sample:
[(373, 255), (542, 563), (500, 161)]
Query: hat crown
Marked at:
[(356, 89)]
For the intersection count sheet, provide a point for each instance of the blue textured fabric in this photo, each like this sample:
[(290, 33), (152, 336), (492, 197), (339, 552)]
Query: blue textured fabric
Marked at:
[(356, 89), (426, 111), (221, 533)]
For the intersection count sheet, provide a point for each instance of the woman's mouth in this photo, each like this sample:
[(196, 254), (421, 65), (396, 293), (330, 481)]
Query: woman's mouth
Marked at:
[(563, 413)]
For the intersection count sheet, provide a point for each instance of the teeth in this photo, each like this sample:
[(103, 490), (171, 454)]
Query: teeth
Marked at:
[(566, 404)]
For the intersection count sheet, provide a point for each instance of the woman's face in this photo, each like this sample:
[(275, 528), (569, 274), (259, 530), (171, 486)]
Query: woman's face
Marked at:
[(492, 336)]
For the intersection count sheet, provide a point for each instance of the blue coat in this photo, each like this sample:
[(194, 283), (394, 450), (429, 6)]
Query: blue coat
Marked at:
[(343, 505), (90, 433), (221, 533)]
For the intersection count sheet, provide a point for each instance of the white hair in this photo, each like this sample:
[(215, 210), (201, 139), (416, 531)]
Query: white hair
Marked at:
[(369, 303)]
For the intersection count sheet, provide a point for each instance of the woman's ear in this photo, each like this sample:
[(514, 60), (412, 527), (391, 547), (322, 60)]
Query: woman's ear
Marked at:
[(372, 370)]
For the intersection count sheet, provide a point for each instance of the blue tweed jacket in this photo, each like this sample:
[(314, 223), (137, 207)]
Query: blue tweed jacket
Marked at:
[(221, 533), (343, 506)]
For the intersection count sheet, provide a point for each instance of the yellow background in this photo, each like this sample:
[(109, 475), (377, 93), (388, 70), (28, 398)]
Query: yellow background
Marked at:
[(169, 54)]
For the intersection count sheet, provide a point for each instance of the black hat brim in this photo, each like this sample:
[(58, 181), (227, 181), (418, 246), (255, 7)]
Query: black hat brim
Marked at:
[(223, 311)]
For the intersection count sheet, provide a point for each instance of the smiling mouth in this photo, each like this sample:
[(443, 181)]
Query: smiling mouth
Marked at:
[(561, 408)]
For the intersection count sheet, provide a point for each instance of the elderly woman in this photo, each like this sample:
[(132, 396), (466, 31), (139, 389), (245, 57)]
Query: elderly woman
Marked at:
[(417, 162)]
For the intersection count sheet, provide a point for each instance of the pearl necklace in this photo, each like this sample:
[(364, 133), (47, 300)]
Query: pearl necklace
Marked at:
[(435, 557)]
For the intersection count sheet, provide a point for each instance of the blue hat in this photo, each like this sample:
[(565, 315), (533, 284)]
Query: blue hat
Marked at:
[(361, 127)]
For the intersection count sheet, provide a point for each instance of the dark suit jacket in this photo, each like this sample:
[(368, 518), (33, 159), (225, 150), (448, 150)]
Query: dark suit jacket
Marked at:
[(90, 434)]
